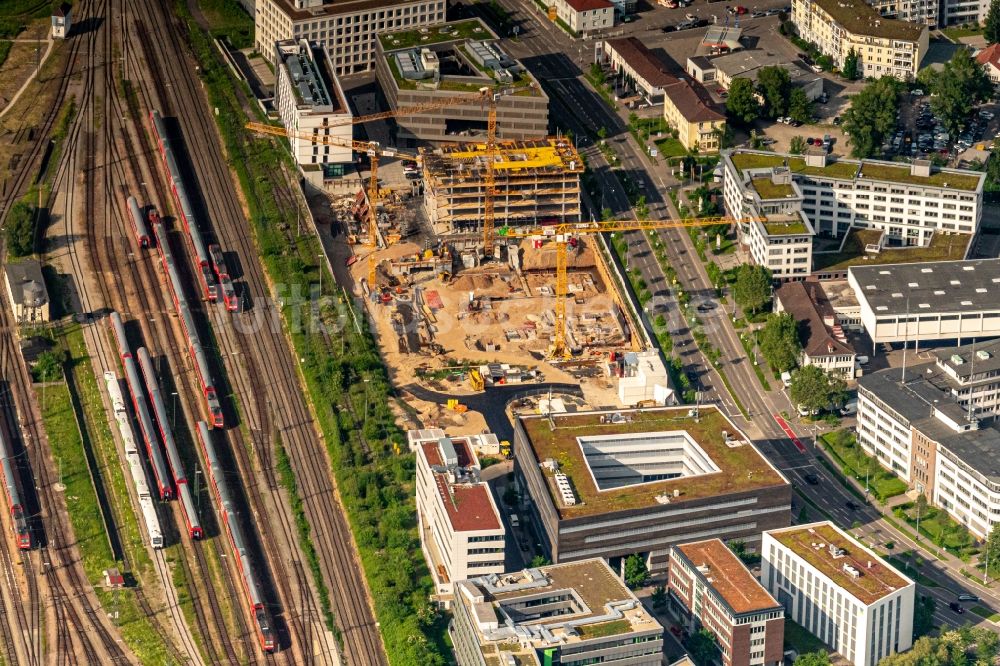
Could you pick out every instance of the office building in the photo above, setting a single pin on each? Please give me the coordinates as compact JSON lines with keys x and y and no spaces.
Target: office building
{"x":715,"y":590}
{"x":839,"y":591}
{"x":940,"y":300}
{"x":579,"y":613}
{"x":455,"y":61}
{"x":310,"y":101}
{"x":611,"y":484}
{"x":346,"y":28}
{"x":698,"y":122}
{"x":885,"y":46}
{"x":823,"y":345}
{"x":461,"y":532}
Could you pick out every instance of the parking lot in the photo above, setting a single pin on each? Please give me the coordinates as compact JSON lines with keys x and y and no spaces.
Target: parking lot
{"x":921,"y":132}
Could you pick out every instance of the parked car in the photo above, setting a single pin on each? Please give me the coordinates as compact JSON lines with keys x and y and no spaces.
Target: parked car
{"x":690,"y":17}
{"x":741,"y":10}
{"x":917,"y":92}
{"x":758,"y":14}
{"x":668,"y":28}
{"x":965,"y":596}
{"x":849,"y":408}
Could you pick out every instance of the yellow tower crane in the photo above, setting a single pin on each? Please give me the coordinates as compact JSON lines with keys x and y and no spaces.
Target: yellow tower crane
{"x":561,"y":234}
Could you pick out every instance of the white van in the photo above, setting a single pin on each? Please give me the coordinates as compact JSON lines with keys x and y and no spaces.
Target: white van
{"x":850,"y":407}
{"x":786,"y":378}
{"x":861,"y":360}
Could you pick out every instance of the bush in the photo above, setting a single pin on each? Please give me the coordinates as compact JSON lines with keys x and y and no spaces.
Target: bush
{"x":20,"y":231}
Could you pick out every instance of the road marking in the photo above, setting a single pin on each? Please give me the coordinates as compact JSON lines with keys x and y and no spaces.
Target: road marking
{"x":788,"y":431}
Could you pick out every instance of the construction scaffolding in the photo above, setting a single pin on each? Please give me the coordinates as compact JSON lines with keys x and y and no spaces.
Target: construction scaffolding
{"x":535,"y":182}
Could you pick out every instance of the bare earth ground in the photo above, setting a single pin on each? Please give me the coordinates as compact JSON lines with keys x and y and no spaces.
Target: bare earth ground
{"x":20,"y":63}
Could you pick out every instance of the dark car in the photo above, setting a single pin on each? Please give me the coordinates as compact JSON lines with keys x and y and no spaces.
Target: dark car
{"x":669,"y":28}
{"x":701,"y":23}
{"x":967,"y":597}
{"x":852,"y":506}
{"x":812,"y":479}
{"x":957,"y":607}
{"x":706,"y":307}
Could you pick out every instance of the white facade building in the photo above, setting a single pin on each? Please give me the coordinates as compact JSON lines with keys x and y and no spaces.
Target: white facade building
{"x":461,"y":532}
{"x":839,"y":591}
{"x":644,"y":380}
{"x":584,"y":17}
{"x":62,"y":21}
{"x":310,"y":101}
{"x":346,"y":28}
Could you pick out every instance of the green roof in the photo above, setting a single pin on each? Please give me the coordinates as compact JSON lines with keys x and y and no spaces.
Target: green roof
{"x":446,"y":32}
{"x":860,"y":18}
{"x":770,"y":190}
{"x":785,"y":228}
{"x":943,"y":247}
{"x":958,"y":181}
{"x":741,"y":468}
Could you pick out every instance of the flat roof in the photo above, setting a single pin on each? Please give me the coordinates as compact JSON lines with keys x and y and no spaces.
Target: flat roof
{"x":812,"y":543}
{"x":942,"y":247}
{"x":845,"y":169}
{"x":976,"y":358}
{"x":333,"y":8}
{"x":768,"y":189}
{"x":452,"y":31}
{"x":860,"y":18}
{"x":469,"y":159}
{"x":741,"y":468}
{"x":747,"y":63}
{"x":929,"y":287}
{"x":306,"y":64}
{"x":728,"y":576}
{"x":468,"y":505}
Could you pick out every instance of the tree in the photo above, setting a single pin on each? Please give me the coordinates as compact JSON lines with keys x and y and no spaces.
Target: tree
{"x":752,"y":289}
{"x":636,"y":573}
{"x":991,"y":29}
{"x":797,"y":146}
{"x":993,"y":548}
{"x":702,"y":648}
{"x":852,"y":65}
{"x":742,"y":105}
{"x":739,"y":549}
{"x":814,"y":389}
{"x":539,"y":561}
{"x":799,"y":106}
{"x":774,"y":84}
{"x":779,"y":342}
{"x":872,"y":116}
{"x":817,"y":658}
{"x":21,"y":229}
{"x":659,"y":596}
{"x":962,"y":84}
{"x":48,"y":367}
{"x":602,"y":133}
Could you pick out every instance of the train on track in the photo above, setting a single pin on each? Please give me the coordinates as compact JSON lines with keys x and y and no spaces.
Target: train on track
{"x":191,"y":521}
{"x":229,"y":296}
{"x":140,"y":225}
{"x":197,"y":350}
{"x":138,"y":393}
{"x":230,"y":519}
{"x":208,"y":270}
{"x":146,"y":507}
{"x":12,"y":490}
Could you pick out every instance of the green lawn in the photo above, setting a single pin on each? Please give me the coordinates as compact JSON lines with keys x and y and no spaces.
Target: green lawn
{"x":5,"y":47}
{"x":853,"y":462}
{"x":957,"y":32}
{"x":937,"y":526}
{"x":800,"y":640}
{"x":986,"y":613}
{"x":671,"y":147}
{"x":228,"y":19}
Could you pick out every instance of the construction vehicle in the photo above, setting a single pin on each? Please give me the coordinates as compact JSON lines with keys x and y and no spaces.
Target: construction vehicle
{"x":476,"y":380}
{"x":562,"y":236}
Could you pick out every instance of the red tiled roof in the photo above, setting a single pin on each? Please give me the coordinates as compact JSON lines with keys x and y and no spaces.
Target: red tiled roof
{"x":800,"y":300}
{"x":588,"y":5}
{"x":691,"y":104}
{"x":728,"y":576}
{"x":468,"y":505}
{"x":991,"y":55}
{"x":642,"y":60}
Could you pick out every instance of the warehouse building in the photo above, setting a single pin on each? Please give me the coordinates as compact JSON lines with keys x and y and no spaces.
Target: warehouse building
{"x":839,"y":591}
{"x":346,"y":28}
{"x":715,"y":590}
{"x":930,"y":301}
{"x":611,"y":484}
{"x":455,"y":61}
{"x":535,"y":181}
{"x":579,"y":613}
{"x":310,"y":101}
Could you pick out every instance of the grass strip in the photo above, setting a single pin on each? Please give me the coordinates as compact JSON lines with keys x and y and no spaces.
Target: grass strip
{"x":986,"y":613}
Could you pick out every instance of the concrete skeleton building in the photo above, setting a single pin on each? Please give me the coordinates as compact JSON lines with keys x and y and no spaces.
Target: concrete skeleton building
{"x":611,"y":484}
{"x":346,"y":28}
{"x":535,"y":181}
{"x":823,"y":344}
{"x":884,"y":46}
{"x":928,"y":425}
{"x":715,"y":590}
{"x":309,"y":100}
{"x":26,"y":291}
{"x":631,"y":61}
{"x":579,"y":613}
{"x":940,"y":300}
{"x":458,"y":59}
{"x":698,"y":122}
{"x":839,"y":591}
{"x":461,"y":532}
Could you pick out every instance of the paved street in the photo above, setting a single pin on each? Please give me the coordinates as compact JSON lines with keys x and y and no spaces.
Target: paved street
{"x":543,"y":48}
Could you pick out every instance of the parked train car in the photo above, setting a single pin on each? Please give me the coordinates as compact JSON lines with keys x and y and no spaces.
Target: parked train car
{"x":229,"y":517}
{"x":229,"y":296}
{"x":147,"y":509}
{"x":138,"y":393}
{"x":191,"y":520}
{"x":12,"y":491}
{"x":140,"y":227}
{"x":195,"y":348}
{"x":186,"y":212}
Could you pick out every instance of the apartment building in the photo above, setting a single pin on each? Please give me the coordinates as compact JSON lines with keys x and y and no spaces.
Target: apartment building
{"x":715,"y":590}
{"x":839,"y":591}
{"x":612,"y":484}
{"x":963,"y":12}
{"x":585,"y":17}
{"x":939,"y":300}
{"x":884,"y":46}
{"x":823,"y":346}
{"x":698,"y":122}
{"x":346,"y":28}
{"x":461,"y":532}
{"x":310,"y":101}
{"x":579,"y":613}
{"x":925,"y":12}
{"x":455,"y":61}
{"x":909,"y":203}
